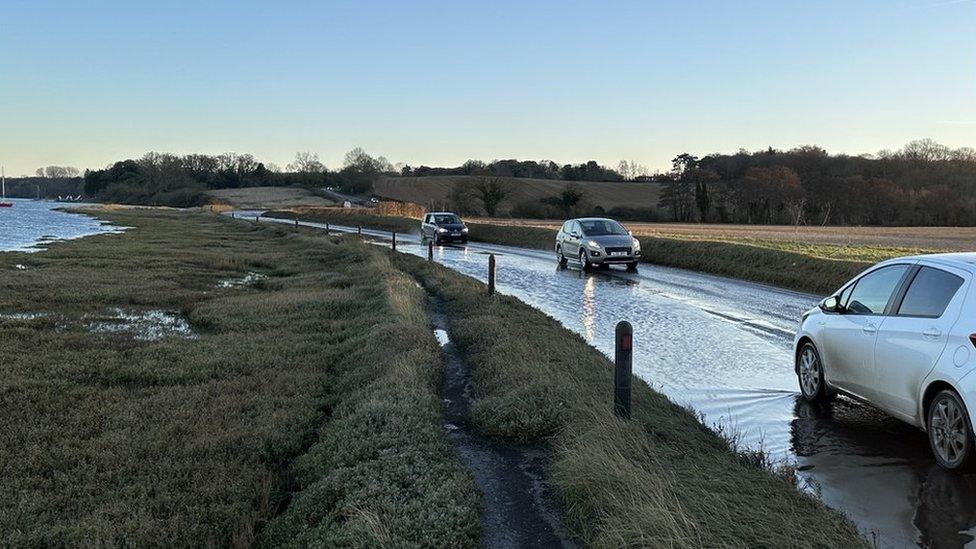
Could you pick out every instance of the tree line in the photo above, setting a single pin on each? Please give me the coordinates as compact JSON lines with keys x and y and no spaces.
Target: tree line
{"x":923,"y":183}
{"x":543,"y":169}
{"x":166,"y":179}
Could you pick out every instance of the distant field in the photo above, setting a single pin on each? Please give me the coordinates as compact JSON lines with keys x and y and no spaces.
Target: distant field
{"x":434,"y":191}
{"x":915,"y":238}
{"x":269,"y":197}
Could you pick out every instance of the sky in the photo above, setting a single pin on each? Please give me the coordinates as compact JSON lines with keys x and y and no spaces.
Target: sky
{"x":436,"y":83}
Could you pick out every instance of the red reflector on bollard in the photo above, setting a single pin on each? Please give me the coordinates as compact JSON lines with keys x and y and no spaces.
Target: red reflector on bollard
{"x":626,"y":342}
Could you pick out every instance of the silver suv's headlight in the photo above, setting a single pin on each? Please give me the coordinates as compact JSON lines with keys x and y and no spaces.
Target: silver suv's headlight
{"x":636,"y":244}
{"x":593,"y":244}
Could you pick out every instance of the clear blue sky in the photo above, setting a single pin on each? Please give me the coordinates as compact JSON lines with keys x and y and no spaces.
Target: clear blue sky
{"x":86,"y":83}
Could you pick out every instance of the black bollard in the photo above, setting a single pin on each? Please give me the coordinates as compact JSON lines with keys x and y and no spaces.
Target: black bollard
{"x":360,"y":231}
{"x":326,"y":228}
{"x":257,"y":218}
{"x":232,"y":214}
{"x":394,"y":240}
{"x":491,"y":274}
{"x":623,"y":359}
{"x":430,"y":251}
{"x":296,"y":222}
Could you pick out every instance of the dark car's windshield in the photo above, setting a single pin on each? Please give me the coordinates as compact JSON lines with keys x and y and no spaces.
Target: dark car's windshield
{"x":602,"y":227}
{"x":446,"y":219}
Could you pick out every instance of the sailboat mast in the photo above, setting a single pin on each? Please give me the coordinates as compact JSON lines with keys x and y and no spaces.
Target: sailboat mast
{"x":3,"y":178}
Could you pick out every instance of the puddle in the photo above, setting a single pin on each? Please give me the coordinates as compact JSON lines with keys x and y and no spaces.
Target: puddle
{"x":143,"y":326}
{"x":442,"y":337}
{"x":247,"y":280}
{"x":20,"y":267}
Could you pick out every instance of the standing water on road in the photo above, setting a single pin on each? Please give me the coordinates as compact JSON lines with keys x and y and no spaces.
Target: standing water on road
{"x":30,"y":223}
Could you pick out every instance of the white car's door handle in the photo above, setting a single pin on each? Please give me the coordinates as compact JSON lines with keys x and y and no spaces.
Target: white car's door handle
{"x":932,"y":333}
{"x":869,"y":329}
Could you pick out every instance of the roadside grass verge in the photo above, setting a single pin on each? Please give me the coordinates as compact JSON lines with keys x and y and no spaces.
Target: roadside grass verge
{"x":301,"y":409}
{"x":660,"y":480}
{"x":807,"y":267}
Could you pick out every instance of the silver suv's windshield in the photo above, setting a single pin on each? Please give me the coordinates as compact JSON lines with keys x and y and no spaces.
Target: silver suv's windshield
{"x":446,"y":219}
{"x":602,"y":227}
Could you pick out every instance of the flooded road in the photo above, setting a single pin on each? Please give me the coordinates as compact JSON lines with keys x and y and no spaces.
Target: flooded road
{"x":723,"y":347}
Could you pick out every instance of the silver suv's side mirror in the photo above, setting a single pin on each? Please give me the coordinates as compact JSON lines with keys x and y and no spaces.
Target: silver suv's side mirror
{"x":831,"y":305}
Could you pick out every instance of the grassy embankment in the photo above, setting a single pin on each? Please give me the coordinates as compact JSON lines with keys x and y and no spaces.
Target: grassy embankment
{"x":304,"y":410}
{"x":660,"y":480}
{"x":811,"y":267}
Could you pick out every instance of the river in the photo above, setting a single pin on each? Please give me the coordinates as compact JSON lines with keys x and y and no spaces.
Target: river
{"x":30,"y":224}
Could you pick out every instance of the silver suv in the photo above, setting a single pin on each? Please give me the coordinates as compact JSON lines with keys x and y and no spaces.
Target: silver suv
{"x":597,"y":241}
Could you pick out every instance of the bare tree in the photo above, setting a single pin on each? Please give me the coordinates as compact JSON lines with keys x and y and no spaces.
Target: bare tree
{"x":306,"y":162}
{"x":826,"y":213}
{"x":58,"y":172}
{"x":461,"y":199}
{"x":491,"y":192}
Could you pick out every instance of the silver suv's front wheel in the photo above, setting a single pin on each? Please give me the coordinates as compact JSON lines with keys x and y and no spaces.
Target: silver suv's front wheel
{"x":950,"y":431}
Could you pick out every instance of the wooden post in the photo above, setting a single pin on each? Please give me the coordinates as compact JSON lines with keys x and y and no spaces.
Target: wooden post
{"x":623,"y":358}
{"x":491,"y":274}
{"x":360,"y":231}
{"x":394,"y":240}
{"x":326,"y":228}
{"x":296,"y":222}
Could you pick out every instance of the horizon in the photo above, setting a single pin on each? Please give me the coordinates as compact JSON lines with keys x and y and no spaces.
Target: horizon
{"x":439,"y":84}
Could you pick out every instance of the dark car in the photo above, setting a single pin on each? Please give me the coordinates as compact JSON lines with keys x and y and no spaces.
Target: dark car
{"x":444,"y":227}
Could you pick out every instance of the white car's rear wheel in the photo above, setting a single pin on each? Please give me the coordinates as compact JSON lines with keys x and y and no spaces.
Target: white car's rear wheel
{"x":560,"y":258}
{"x":809,"y":370}
{"x":950,"y":431}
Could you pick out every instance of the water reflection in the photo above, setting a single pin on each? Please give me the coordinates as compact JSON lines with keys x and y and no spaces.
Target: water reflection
{"x":880,"y":472}
{"x":589,"y":308}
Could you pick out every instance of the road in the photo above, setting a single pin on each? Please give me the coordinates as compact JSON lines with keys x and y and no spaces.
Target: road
{"x":723,"y":347}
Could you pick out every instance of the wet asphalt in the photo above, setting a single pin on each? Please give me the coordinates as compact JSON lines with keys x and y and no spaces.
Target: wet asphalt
{"x":723,"y":347}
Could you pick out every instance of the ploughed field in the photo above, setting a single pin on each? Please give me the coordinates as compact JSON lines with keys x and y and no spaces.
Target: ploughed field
{"x":435,"y":190}
{"x":268,"y":197}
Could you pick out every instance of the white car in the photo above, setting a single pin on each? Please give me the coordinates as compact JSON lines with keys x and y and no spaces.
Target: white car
{"x":901,"y":337}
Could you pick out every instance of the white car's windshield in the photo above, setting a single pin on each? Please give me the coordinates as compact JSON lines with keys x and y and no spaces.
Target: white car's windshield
{"x":602,"y":227}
